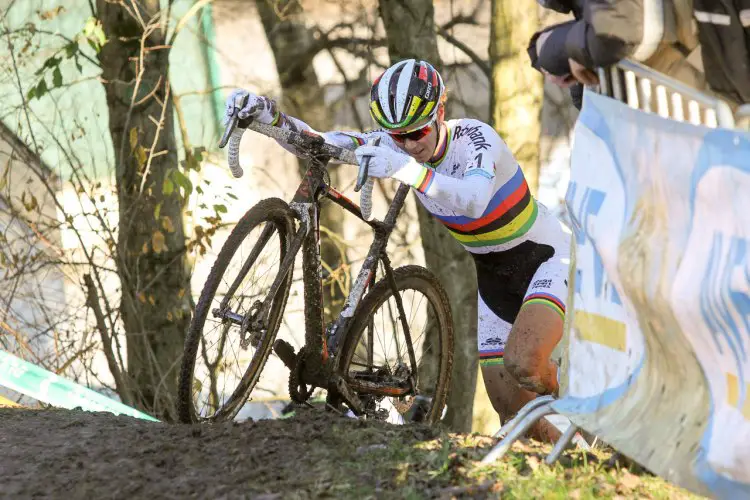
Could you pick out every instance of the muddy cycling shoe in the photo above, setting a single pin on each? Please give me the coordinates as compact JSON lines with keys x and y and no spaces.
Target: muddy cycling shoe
{"x":420,"y":408}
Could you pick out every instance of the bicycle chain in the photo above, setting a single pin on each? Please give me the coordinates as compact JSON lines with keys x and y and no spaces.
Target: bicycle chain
{"x":297,"y":390}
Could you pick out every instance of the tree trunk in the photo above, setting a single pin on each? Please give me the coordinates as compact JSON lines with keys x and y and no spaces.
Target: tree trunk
{"x":303,"y":97}
{"x":410,"y":30}
{"x":151,"y":258}
{"x":516,"y":87}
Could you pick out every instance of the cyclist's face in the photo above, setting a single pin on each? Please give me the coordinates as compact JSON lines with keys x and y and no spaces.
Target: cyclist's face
{"x":422,"y":148}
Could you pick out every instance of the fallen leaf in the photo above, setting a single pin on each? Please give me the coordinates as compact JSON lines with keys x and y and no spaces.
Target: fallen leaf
{"x":627,"y":481}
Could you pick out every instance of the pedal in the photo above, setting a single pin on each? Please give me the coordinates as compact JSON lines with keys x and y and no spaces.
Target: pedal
{"x":285,"y":352}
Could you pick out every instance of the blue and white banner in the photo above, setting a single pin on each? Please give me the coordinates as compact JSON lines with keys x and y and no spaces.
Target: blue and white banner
{"x":658,"y":341}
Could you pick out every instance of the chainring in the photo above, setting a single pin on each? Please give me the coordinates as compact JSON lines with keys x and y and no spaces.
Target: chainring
{"x":299,"y":392}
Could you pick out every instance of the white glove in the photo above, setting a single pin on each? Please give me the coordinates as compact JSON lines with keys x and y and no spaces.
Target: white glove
{"x":259,"y":108}
{"x":386,"y":162}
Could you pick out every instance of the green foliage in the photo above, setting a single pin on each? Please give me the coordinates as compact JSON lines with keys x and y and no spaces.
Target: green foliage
{"x":167,"y":187}
{"x":29,"y":201}
{"x":182,"y":180}
{"x":37,"y":91}
{"x":194,"y":159}
{"x":92,"y":33}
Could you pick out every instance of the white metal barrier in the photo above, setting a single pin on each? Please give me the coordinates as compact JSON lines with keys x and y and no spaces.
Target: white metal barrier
{"x":640,"y":87}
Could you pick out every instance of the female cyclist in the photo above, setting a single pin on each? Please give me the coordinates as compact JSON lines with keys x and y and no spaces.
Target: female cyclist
{"x":466,"y":176}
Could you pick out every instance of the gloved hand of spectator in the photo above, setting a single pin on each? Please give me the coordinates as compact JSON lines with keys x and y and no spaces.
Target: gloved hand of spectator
{"x":582,"y":73}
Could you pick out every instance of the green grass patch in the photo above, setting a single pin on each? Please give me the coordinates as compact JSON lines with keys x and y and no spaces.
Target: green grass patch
{"x":347,"y":458}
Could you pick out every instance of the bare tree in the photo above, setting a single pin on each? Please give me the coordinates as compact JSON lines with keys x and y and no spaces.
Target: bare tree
{"x":517,"y":90}
{"x":152,"y":263}
{"x":129,"y":260}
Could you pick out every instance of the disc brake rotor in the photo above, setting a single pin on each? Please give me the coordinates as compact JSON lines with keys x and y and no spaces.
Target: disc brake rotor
{"x":247,"y":328}
{"x":403,"y":405}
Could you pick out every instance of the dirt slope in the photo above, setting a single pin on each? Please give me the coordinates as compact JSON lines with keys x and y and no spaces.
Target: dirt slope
{"x":316,"y":454}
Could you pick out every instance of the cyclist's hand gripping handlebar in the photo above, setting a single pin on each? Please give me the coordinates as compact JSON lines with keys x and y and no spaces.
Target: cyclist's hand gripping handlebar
{"x":302,"y":141}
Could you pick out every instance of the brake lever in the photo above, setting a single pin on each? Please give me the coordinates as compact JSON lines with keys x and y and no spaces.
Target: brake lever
{"x":364,"y":170}
{"x":233,"y":120}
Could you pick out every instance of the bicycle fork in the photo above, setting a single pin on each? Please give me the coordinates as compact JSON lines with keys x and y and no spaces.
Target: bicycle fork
{"x":255,"y":319}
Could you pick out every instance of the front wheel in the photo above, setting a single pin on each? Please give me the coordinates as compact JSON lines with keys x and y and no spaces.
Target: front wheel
{"x":222,"y":361}
{"x":394,"y":384}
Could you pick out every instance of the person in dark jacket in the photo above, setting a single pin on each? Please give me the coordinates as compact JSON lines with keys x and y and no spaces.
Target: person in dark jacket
{"x":655,"y":32}
{"x":724,"y":34}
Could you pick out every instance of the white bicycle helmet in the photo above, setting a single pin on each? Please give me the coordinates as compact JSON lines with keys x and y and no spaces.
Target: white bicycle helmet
{"x":406,"y":97}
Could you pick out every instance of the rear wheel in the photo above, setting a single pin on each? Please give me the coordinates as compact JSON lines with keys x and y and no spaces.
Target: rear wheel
{"x":375,"y":354}
{"x":222,"y":361}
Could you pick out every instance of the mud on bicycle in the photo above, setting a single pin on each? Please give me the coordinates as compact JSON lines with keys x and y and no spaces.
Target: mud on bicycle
{"x":379,"y":358}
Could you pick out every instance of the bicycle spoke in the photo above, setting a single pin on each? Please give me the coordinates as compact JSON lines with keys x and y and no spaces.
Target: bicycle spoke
{"x":220,"y":381}
{"x":381,"y":361}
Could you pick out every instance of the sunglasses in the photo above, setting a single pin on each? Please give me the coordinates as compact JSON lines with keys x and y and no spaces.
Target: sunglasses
{"x":415,"y":135}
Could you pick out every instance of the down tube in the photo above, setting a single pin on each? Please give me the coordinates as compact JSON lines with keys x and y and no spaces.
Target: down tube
{"x":378,"y":246}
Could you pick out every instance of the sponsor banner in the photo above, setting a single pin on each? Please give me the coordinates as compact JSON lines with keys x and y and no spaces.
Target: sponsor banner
{"x":657,"y":345}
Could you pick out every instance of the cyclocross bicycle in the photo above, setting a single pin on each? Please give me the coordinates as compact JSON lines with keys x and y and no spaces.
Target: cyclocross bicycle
{"x":390,"y":348}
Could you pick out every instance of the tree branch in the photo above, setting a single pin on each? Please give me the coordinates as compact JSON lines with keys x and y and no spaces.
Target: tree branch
{"x":159,"y":127}
{"x":92,"y":301}
{"x":465,"y":18}
{"x":190,"y":13}
{"x":325,"y":42}
{"x":460,"y":19}
{"x":347,"y":88}
{"x":471,"y":19}
{"x":55,"y":34}
{"x":483,"y":65}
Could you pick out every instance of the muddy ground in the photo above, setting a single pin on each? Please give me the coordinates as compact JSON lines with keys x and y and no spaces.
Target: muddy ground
{"x":315,"y":454}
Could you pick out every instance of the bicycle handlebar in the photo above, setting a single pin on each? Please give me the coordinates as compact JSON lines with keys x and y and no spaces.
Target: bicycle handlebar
{"x":307,"y":144}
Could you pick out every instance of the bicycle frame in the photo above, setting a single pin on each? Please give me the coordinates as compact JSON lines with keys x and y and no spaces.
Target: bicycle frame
{"x":318,"y":363}
{"x":322,"y":347}
{"x":306,"y":203}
